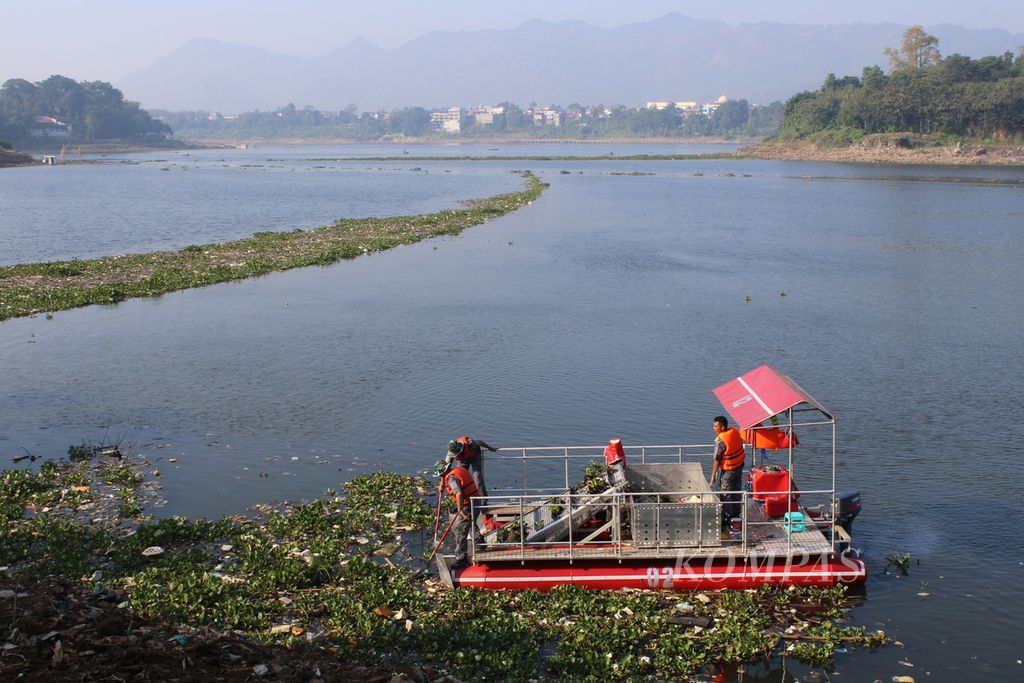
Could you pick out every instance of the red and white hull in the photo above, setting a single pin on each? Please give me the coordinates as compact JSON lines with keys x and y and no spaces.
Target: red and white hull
{"x":692,"y":574}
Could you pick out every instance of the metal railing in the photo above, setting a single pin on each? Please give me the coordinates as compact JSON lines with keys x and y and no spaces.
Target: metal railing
{"x":593,"y":525}
{"x":561,"y":470}
{"x":525,"y":456}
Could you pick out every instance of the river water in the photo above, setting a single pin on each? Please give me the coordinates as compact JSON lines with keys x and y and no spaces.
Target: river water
{"x":609,"y":307}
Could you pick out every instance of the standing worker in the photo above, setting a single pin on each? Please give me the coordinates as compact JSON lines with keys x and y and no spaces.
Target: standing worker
{"x":462,"y":489}
{"x":728,"y":463}
{"x":468,"y":452}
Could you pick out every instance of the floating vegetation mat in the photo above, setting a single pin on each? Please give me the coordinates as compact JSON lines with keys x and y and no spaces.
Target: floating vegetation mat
{"x":336,"y":589}
{"x":40,"y":287}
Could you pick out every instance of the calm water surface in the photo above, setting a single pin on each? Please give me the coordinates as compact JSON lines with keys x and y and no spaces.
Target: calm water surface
{"x":609,"y":307}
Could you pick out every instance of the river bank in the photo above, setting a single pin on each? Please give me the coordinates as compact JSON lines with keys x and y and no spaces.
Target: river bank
{"x":889,"y":149}
{"x":76,"y":149}
{"x":45,"y":287}
{"x":9,"y":157}
{"x":401,"y":140}
{"x":28,"y":157}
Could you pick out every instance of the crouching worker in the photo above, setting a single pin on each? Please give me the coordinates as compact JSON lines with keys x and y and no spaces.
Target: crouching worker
{"x":460,"y":485}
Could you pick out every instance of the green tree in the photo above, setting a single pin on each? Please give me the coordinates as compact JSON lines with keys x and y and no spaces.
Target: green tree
{"x":95,"y":110}
{"x":411,"y":121}
{"x":872,"y":77}
{"x":731,"y":116}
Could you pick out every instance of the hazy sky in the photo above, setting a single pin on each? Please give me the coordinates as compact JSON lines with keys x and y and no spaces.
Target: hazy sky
{"x":108,"y":39}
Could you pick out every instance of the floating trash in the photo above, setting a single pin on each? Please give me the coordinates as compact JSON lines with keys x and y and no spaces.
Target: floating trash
{"x":153,"y":551}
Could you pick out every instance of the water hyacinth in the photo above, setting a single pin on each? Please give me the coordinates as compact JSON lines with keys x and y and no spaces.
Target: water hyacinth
{"x":36,"y":287}
{"x":296,"y":574}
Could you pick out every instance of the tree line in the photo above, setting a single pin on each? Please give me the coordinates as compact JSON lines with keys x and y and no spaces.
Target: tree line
{"x":922,"y":93}
{"x":734,"y":118}
{"x":88,"y":111}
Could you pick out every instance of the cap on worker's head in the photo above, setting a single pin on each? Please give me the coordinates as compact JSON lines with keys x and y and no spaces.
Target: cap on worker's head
{"x":440,"y":467}
{"x":455,"y":447}
{"x":613,"y":453}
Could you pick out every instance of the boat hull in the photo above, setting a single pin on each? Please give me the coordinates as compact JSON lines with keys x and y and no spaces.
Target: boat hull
{"x":692,"y":574}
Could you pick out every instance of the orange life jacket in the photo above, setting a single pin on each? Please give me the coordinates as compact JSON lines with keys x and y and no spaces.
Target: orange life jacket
{"x":773,"y":438}
{"x":466,"y":482}
{"x":469,"y":449}
{"x":734,"y":454}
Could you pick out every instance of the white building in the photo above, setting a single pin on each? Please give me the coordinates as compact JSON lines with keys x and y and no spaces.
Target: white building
{"x":685,"y":106}
{"x":449,"y":121}
{"x":484,"y":115}
{"x":546,"y":116}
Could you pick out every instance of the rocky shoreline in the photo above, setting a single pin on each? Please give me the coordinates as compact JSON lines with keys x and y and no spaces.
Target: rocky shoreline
{"x":9,"y":157}
{"x":890,"y":149}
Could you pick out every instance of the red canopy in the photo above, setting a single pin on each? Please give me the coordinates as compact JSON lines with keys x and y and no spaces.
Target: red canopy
{"x":761,"y":393}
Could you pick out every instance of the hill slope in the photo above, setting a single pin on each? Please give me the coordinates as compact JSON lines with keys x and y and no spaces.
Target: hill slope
{"x":672,"y":57}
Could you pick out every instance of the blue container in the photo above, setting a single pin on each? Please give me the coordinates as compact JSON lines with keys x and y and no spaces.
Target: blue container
{"x":793,"y":522}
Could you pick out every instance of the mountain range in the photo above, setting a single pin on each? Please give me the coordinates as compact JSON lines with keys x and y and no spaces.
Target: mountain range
{"x":673,"y":57}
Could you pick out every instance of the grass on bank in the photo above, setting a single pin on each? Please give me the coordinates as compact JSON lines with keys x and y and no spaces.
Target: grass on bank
{"x":341,"y":575}
{"x":40,"y":287}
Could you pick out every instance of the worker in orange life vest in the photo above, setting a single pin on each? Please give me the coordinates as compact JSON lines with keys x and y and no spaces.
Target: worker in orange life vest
{"x":728,"y":467}
{"x":460,"y":485}
{"x":469,"y":452}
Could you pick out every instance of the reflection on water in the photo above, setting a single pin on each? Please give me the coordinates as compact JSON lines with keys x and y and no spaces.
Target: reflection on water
{"x":609,"y":307}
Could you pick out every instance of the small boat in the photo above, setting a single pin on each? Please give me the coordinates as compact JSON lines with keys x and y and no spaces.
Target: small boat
{"x":647,"y":517}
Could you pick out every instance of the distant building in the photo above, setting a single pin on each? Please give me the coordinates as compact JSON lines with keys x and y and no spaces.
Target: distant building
{"x":450,"y":121}
{"x":546,"y":116}
{"x":685,"y":106}
{"x":710,"y":108}
{"x":484,"y":115}
{"x":49,"y":127}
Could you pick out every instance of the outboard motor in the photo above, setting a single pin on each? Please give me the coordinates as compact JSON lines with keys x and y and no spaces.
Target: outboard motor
{"x":847,"y":508}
